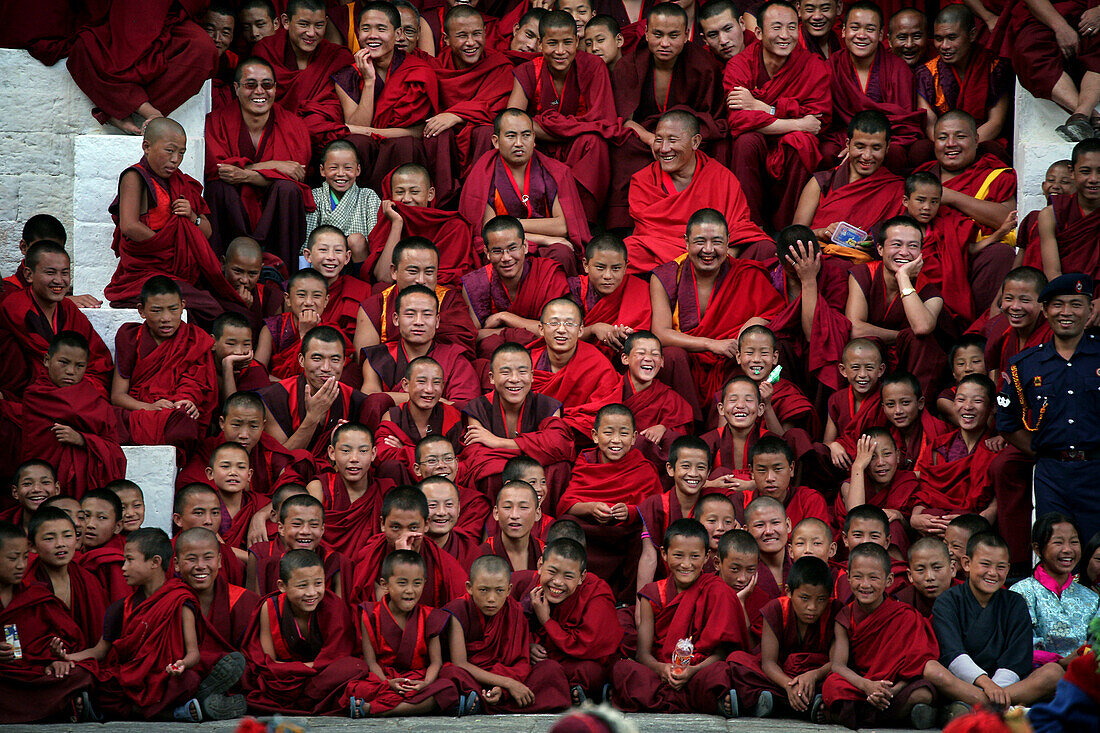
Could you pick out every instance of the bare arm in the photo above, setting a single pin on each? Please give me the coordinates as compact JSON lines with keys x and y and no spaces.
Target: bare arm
{"x":1048,"y":244}
{"x":991,"y":128}
{"x":988,"y":214}
{"x":265,"y":345}
{"x":647,"y":564}
{"x":857,"y":312}
{"x":807,"y":203}
{"x":669,"y":336}
{"x":131,"y":192}
{"x":365,"y":332}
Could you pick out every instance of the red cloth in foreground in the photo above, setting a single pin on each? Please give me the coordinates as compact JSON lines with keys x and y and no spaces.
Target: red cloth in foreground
{"x":629,"y":480}
{"x":446,"y":579}
{"x":955,"y":487}
{"x":583,"y":386}
{"x":450,"y":233}
{"x":1077,"y":235}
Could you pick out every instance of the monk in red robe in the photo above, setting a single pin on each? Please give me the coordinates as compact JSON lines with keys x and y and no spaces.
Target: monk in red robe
{"x":386,"y":96}
{"x":434,"y":457}
{"x":722,"y":29}
{"x":1058,"y":180}
{"x":474,"y":84}
{"x":506,"y":297}
{"x":145,"y":58}
{"x":778,"y":97}
{"x":40,"y":227}
{"x":865,"y":76}
{"x":327,"y":251}
{"x":256,"y":154}
{"x":69,"y":423}
{"x":907,"y":36}
{"x":703,"y":299}
{"x":236,"y":369}
{"x":680,"y":181}
{"x":444,"y":506}
{"x":569,"y":96}
{"x":415,"y":260}
{"x":785,"y":406}
{"x":664,"y":73}
{"x":876,"y":480}
{"x":220,"y":23}
{"x":615,"y":304}
{"x":255,"y":300}
{"x":164,"y":378}
{"x":661,"y":413}
{"x":1071,"y":221}
{"x":31,"y":317}
{"x":101,"y":542}
{"x":280,"y":340}
{"x":818,"y":32}
{"x":859,"y":406}
{"x":516,"y":180}
{"x":198,"y":505}
{"x":420,"y":414}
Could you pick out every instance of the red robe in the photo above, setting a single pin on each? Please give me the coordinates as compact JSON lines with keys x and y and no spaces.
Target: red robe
{"x":583,"y":386}
{"x":226,"y":624}
{"x":308,"y":93}
{"x":476,"y":94}
{"x":630,"y":480}
{"x":105,"y":563}
{"x":234,"y":530}
{"x":444,"y":420}
{"x":349,"y":524}
{"x":1003,"y":343}
{"x":802,"y":502}
{"x":660,"y":212}
{"x":269,"y":554}
{"x":495,"y":546}
{"x":1077,"y":235}
{"x":657,"y":404}
{"x":897,"y":496}
{"x":446,"y":578}
{"x":863,"y":203}
{"x":891,"y":90}
{"x":86,"y":594}
{"x":272,"y":465}
{"x":454,"y":327}
{"x":463,"y":547}
{"x":389,"y":362}
{"x":82,"y":407}
{"x":286,"y":404}
{"x":629,"y":305}
{"x":542,"y":281}
{"x":850,"y":423}
{"x":961,"y":486}
{"x":285,"y":684}
{"x":344,"y":297}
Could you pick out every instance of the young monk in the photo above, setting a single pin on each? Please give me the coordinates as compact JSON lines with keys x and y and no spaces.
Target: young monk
{"x":875,"y":479}
{"x":256,"y":19}
{"x":102,"y":554}
{"x":233,"y":362}
{"x":682,"y":180}
{"x":907,"y":36}
{"x":490,"y":648}
{"x":401,"y":647}
{"x":773,"y":467}
{"x":931,"y":572}
{"x":985,"y":637}
{"x":326,"y":250}
{"x":230,"y":473}
{"x":793,"y":661}
{"x":444,"y":509}
{"x":1058,"y":181}
{"x":53,"y":538}
{"x":133,"y":503}
{"x":966,"y":356}
{"x":341,"y":202}
{"x":954,"y":475}
{"x":435,"y":456}
{"x":528,"y":470}
{"x":957,"y":536}
{"x":548,"y":205}
{"x":71,"y":507}
{"x":164,"y":381}
{"x":853,"y":410}
{"x":738,"y":562}
{"x":688,"y":465}
{"x":523,"y":37}
{"x":868,"y":523}
{"x":301,"y":527}
{"x":785,"y":406}
{"x":615,"y":304}
{"x":220,"y":24}
{"x":767,"y":522}
{"x":708,"y":292}
{"x":404,"y":519}
{"x":715,"y":512}
{"x":912,"y":426}
{"x":68,"y":423}
{"x":40,"y":227}
{"x":569,"y":97}
{"x":661,"y":414}
{"x":280,"y":338}
{"x":514,"y":420}
{"x":295,"y":671}
{"x":818,"y":31}
{"x":775,"y":136}
{"x":739,"y":411}
{"x":254,"y":299}
{"x":1069,"y":221}
{"x":880,"y":653}
{"x":507,"y":296}
{"x":603,"y":38}
{"x":303,"y":410}
{"x":37,"y":686}
{"x":814,"y":537}
{"x":687,"y":605}
{"x":198,"y":505}
{"x":516,"y":512}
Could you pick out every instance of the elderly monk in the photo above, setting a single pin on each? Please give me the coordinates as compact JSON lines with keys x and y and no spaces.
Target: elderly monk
{"x":723,"y":29}
{"x":702,"y":300}
{"x":569,"y":96}
{"x":256,"y":154}
{"x":1069,"y":228}
{"x":865,"y":76}
{"x":415,"y":260}
{"x":517,"y":180}
{"x":983,"y":191}
{"x":474,"y":85}
{"x":304,"y":63}
{"x":144,"y":57}
{"x":907,"y":36}
{"x":386,"y":97}
{"x":679,"y":182}
{"x":778,"y":97}
{"x":664,"y":73}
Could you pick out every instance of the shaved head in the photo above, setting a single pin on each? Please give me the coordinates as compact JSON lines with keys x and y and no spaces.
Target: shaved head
{"x":161,"y":127}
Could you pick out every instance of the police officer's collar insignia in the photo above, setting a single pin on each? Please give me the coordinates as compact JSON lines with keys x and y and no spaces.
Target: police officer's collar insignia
{"x":1005,"y":402}
{"x":1038,"y":381}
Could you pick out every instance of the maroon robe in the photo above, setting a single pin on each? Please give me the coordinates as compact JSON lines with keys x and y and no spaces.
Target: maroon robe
{"x":897,"y":496}
{"x":891,"y":90}
{"x":446,"y":579}
{"x":542,"y":281}
{"x":981,"y":85}
{"x":389,"y":362}
{"x":272,"y":465}
{"x":454,"y":327}
{"x":105,"y":563}
{"x":476,"y":94}
{"x":269,"y":554}
{"x":961,"y":486}
{"x":462,"y":547}
{"x":349,"y":524}
{"x":850,"y":422}
{"x":397,"y":463}
{"x":494,"y":545}
{"x":1077,"y":234}
{"x":226,"y":624}
{"x":583,"y":386}
{"x":657,"y":404}
{"x":86,"y":594}
{"x":234,"y":529}
{"x":450,"y":232}
{"x":863,"y":203}
{"x":1039,"y":62}
{"x":286,"y":404}
{"x":344,"y":297}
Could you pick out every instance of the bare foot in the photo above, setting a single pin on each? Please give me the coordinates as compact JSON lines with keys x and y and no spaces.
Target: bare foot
{"x":127,"y":125}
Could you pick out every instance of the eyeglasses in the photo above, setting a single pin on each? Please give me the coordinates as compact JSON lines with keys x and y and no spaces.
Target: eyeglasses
{"x":557,"y":324}
{"x":251,"y":84}
{"x":433,"y":461}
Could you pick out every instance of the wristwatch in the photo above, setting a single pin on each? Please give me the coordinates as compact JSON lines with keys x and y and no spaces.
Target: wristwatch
{"x":907,"y":291}
{"x":198,"y":220}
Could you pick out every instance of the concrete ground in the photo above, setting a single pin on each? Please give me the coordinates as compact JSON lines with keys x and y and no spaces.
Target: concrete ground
{"x":480,"y":724}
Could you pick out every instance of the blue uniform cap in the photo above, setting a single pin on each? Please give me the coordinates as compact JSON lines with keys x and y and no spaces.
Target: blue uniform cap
{"x":1074,"y":283}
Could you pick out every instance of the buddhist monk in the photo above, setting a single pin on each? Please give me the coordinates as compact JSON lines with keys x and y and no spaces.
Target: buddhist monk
{"x":256,"y":154}
{"x":615,"y":304}
{"x":256,"y":20}
{"x":680,"y":181}
{"x":38,"y":228}
{"x":515,"y":179}
{"x":280,"y":338}
{"x":255,"y":299}
{"x":907,"y":36}
{"x":664,"y":73}
{"x":723,"y":29}
{"x":157,"y":64}
{"x":604,"y":38}
{"x":778,"y":99}
{"x":569,"y":96}
{"x":1068,"y":227}
{"x":522,"y":38}
{"x":220,"y":23}
{"x":1058,"y":180}
{"x":818,"y":33}
{"x":326,"y":250}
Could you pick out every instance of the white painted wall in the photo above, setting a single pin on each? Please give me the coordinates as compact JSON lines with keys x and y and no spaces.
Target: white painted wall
{"x":1036,"y":146}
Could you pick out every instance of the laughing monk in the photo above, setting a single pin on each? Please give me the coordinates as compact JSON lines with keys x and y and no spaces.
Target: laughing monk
{"x":778,"y":97}
{"x":666,"y":72}
{"x":681,"y":180}
{"x":1069,"y":227}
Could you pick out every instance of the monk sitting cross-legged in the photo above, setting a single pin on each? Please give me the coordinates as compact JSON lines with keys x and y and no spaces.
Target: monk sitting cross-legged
{"x":517,"y":180}
{"x":680,"y":181}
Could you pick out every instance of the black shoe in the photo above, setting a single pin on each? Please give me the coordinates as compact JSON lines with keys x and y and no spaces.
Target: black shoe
{"x":764,"y":704}
{"x":224,"y":707}
{"x":225,"y":673}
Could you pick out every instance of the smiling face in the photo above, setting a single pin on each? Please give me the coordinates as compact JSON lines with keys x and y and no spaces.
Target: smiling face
{"x":863,"y":33}
{"x":516,"y":511}
{"x":987,"y":570}
{"x":408,"y":35}
{"x":900,"y":246}
{"x":644,"y":360}
{"x":323,"y":361}
{"x":243,"y":425}
{"x":1020,"y":302}
{"x":757,"y":354}
{"x":411,"y":188}
{"x":199,"y":561}
{"x":536,"y":477}
{"x":352,"y":455}
{"x":306,"y":30}
{"x":305,"y":588}
{"x":435,"y":458}
{"x":1068,"y":314}
{"x":1086,"y":177}
{"x":956,"y":144}
{"x":133,"y":509}
{"x":868,"y":579}
{"x":614,"y":436}
{"x":884,"y":462}
{"x":973,"y":407}
{"x":956,"y":539}
{"x":866,"y":530}
{"x":202,"y":509}
{"x":908,"y":37}
{"x":581,"y":10}
{"x":674,"y":147}
{"x":737,"y":568}
{"x":416,"y":267}
{"x":559,"y":577}
{"x":340,"y":168}
{"x":404,"y":586}
{"x":778,"y":33}
{"x":862,"y":366}
{"x":220,"y":29}
{"x":866,"y":152}
{"x":50,"y":279}
{"x":67,"y":365}
{"x":466,"y":39}
{"x":328,"y":254}
{"x":666,"y":36}
{"x":772,"y":473}
{"x":33,"y":485}
{"x":303,"y":527}
{"x":930,"y":572}
{"x":417,"y":319}
{"x":424,"y":386}
{"x":717,"y":518}
{"x":810,"y":539}
{"x":952,"y":43}
{"x":163,"y":315}
{"x":770,"y":528}
{"x":55,"y":542}
{"x":559,"y":48}
{"x":560,"y":327}
{"x":443,"y":507}
{"x":900,"y":405}
{"x":165,"y":154}
{"x":740,"y":406}
{"x":1059,"y":180}
{"x":924,"y":203}
{"x":489,"y":591}
{"x":511,"y":376}
{"x":707,"y":246}
{"x":506,"y":250}
{"x":256,"y":90}
{"x":724,"y":35}
{"x":516,"y":140}
{"x":818,"y":16}
{"x":685,"y":557}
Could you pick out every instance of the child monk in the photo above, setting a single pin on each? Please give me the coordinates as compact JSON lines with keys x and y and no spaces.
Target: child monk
{"x":957,"y":536}
{"x":691,"y":605}
{"x":71,"y":507}
{"x":149,"y":649}
{"x":164,"y":378}
{"x":715,"y":512}
{"x":298,"y":672}
{"x":435,"y":456}
{"x":766,"y":521}
{"x":444,"y":507}
{"x":785,"y":406}
{"x":341,"y":202}
{"x":133,"y":503}
{"x":351,"y":496}
{"x":880,"y":653}
{"x":281,"y":336}
{"x":404,"y":519}
{"x":793,"y":661}
{"x":516,"y":512}
{"x":773,"y":468}
{"x":738,"y":567}
{"x":875,"y":479}
{"x":966,"y":356}
{"x":102,"y":555}
{"x":603,"y":38}
{"x":688,"y":465}
{"x":36,"y":686}
{"x":931,"y":572}
{"x":572,"y":616}
{"x":519,"y":468}
{"x":68,"y":422}
{"x":739,"y":413}
{"x":231,"y":474}
{"x":985,"y":634}
{"x":327,"y":251}
{"x":35,"y":481}
{"x":198,"y":505}
{"x":661,"y":413}
{"x":301,"y":527}
{"x":812,"y":537}
{"x":913,"y":427}
{"x":53,"y":538}
{"x":490,"y":647}
{"x":857,"y":407}
{"x":401,"y":647}
{"x":255,"y":299}
{"x":867,"y":523}
{"x":234,"y":364}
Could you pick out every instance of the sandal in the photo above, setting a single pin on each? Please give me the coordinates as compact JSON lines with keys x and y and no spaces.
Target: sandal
{"x":359,"y":708}
{"x":470,"y":705}
{"x":817,"y":710}
{"x":189,"y":712}
{"x":727,"y":705}
{"x":577,"y":695}
{"x":1076,"y":128}
{"x":764,"y":704}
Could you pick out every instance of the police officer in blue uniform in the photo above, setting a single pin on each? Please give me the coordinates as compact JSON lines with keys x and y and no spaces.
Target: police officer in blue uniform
{"x":1050,"y":406}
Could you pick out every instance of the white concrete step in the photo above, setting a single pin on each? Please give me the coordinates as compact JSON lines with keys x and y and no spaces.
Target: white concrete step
{"x":153,"y":468}
{"x":1036,"y":147}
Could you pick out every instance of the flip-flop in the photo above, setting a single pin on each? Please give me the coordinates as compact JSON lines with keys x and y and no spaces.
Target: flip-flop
{"x":605,"y":694}
{"x":189,"y":712}
{"x":471,"y":705}
{"x":355,"y":708}
{"x":764,"y":704}
{"x":817,"y":710}
{"x":728,"y":706}
{"x":577,"y":695}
